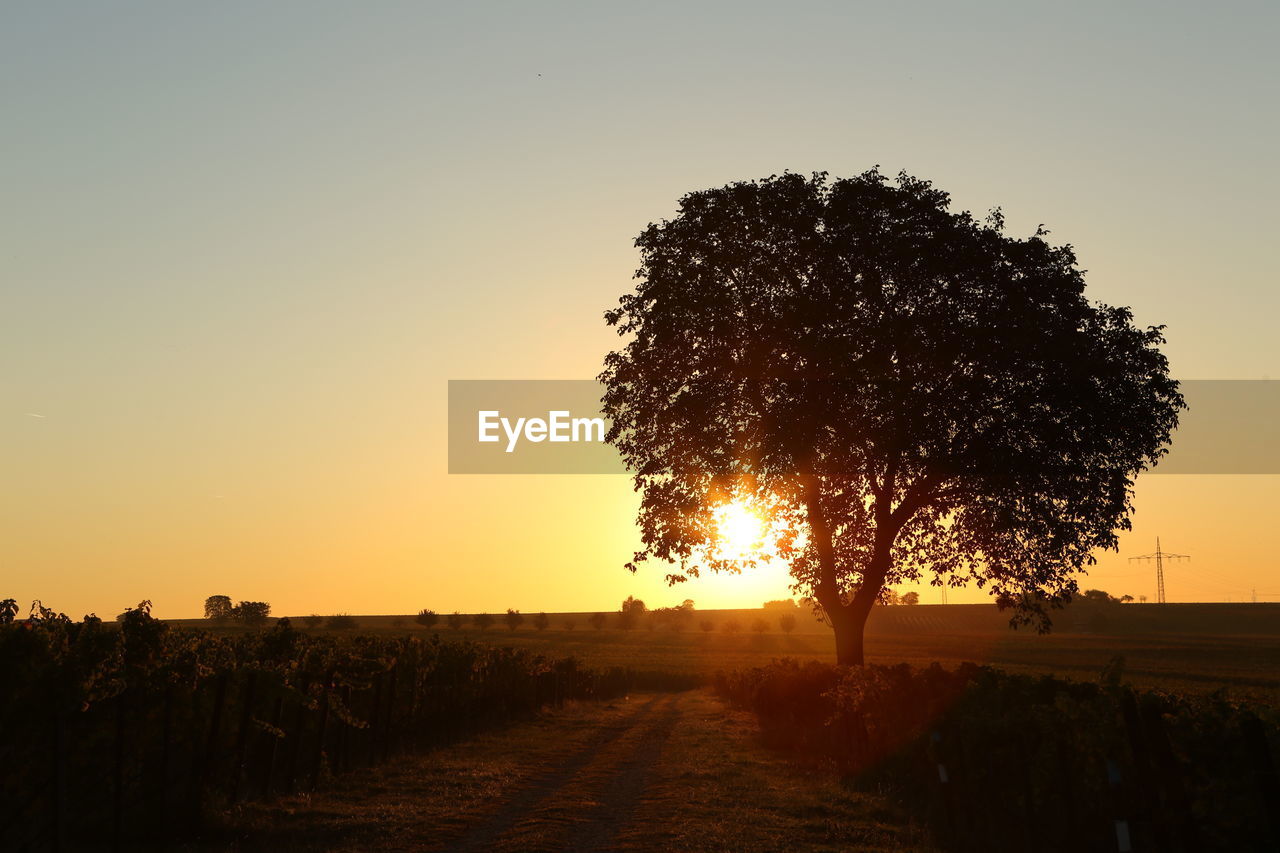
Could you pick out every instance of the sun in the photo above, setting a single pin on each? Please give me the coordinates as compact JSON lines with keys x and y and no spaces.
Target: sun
{"x":739,"y":532}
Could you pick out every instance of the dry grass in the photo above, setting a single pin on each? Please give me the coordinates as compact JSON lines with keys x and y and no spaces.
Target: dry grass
{"x":675,"y":771}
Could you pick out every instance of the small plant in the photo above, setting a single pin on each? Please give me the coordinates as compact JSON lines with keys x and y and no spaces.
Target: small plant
{"x":427,"y":618}
{"x":541,"y":621}
{"x":759,"y":626}
{"x":482,"y":621}
{"x":514,"y":619}
{"x":456,"y":620}
{"x":707,"y":626}
{"x":733,"y":626}
{"x":341,"y":622}
{"x":597,"y":621}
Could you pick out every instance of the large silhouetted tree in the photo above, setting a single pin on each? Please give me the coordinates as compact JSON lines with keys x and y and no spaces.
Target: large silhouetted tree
{"x":906,"y":391}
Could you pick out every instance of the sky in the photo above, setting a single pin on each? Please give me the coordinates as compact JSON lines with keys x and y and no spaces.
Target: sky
{"x":244,"y":246}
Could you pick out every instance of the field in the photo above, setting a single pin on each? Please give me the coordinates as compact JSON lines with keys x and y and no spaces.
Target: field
{"x":590,"y":776}
{"x":1190,"y":647}
{"x":356,"y":733}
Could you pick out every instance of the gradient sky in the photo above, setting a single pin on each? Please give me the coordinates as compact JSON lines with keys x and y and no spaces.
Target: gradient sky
{"x":243,"y":246}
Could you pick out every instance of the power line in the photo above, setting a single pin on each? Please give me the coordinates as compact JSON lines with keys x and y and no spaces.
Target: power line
{"x":1159,"y":557}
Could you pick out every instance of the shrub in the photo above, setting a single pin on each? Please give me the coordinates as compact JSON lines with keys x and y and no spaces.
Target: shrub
{"x":341,"y":622}
{"x":427,"y":618}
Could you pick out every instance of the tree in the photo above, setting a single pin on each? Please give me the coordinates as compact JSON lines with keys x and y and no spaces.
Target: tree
{"x":315,"y":620}
{"x":707,"y":626}
{"x":1098,"y":596}
{"x":218,"y":608}
{"x":899,"y":389}
{"x":541,"y":621}
{"x":787,"y":623}
{"x":759,"y":626}
{"x":455,"y":620}
{"x":514,"y":618}
{"x":252,"y":612}
{"x":482,"y":621}
{"x":597,"y":620}
{"x":733,"y":626}
{"x":631,"y":611}
{"x":910,"y":598}
{"x":427,"y":618}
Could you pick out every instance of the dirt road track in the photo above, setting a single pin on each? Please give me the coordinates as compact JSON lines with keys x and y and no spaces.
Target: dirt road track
{"x":616,"y":776}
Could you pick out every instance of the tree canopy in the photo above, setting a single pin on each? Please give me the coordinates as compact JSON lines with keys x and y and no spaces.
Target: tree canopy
{"x":905,"y":391}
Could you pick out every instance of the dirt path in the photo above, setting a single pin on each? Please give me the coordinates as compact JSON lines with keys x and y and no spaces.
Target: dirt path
{"x":622,"y":791}
{"x":671,"y":772}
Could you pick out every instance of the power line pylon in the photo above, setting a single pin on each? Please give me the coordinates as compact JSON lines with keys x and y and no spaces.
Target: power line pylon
{"x":1159,"y":557}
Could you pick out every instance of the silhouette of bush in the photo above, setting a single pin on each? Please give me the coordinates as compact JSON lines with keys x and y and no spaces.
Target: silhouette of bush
{"x":341,"y":622}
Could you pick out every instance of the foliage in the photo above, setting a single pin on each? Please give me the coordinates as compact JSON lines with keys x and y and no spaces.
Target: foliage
{"x":597,"y":621}
{"x":140,"y":725}
{"x":759,"y":626}
{"x":514,"y":619}
{"x":909,"y":387}
{"x":456,"y":620}
{"x":1020,"y":754}
{"x":218,"y":608}
{"x":254,"y":613}
{"x":482,"y":621}
{"x":427,"y":618}
{"x":787,"y":623}
{"x":341,"y":622}
{"x":541,"y":622}
{"x":631,"y":612}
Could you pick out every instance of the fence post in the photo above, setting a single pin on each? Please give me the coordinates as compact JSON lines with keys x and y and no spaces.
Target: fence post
{"x":59,"y":779}
{"x":269,"y":772}
{"x":162,"y":779}
{"x":388,"y":731}
{"x":1264,"y":771}
{"x":117,"y":772}
{"x":1171,"y":775}
{"x":375,"y":720}
{"x":242,"y":739}
{"x":1146,"y":791}
{"x":295,"y":743}
{"x":324,"y":719}
{"x":204,"y":759}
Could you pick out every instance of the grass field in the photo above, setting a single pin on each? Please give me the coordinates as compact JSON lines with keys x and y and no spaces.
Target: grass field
{"x":655,"y":772}
{"x":1200,"y":647}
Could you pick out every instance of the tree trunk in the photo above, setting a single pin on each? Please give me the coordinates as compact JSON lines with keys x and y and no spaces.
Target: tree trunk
{"x":849,"y":625}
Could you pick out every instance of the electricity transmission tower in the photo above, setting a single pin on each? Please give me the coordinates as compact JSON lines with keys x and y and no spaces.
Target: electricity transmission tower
{"x":1159,"y":557}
